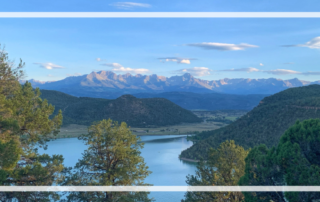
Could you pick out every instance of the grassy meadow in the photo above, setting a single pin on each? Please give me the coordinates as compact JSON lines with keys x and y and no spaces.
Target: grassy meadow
{"x":74,"y":130}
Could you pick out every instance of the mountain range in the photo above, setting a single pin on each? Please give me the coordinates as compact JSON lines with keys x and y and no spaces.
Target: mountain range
{"x":107,"y":84}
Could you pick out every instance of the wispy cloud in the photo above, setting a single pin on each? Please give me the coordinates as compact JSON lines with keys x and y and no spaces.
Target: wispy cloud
{"x":195,"y":71}
{"x":222,"y":46}
{"x":281,"y":72}
{"x":75,"y":74}
{"x":287,"y":72}
{"x":310,"y":73}
{"x":249,"y":69}
{"x":261,"y":64}
{"x":112,"y":65}
{"x":313,"y":44}
{"x":119,"y":68}
{"x":273,"y":71}
{"x":131,"y":70}
{"x":49,"y":65}
{"x":130,"y":5}
{"x":177,"y":59}
{"x":50,"y":75}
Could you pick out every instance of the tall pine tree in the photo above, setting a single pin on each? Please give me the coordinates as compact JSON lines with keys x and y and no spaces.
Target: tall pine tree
{"x":112,"y":159}
{"x":25,"y":124}
{"x":224,"y":167}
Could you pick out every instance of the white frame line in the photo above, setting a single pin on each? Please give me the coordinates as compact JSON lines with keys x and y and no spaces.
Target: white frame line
{"x":159,"y":14}
{"x":160,"y":188}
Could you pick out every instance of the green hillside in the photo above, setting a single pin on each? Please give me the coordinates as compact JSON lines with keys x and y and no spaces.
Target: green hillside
{"x":135,"y":112}
{"x":264,"y":124}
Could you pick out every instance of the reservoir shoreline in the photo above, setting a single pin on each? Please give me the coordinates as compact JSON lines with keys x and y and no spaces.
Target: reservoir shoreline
{"x":190,"y":160}
{"x":61,"y":137}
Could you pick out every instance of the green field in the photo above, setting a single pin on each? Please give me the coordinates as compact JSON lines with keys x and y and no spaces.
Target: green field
{"x":228,"y":114}
{"x":74,"y":130}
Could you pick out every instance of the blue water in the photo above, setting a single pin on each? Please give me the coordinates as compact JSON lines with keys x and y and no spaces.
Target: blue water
{"x":160,"y":154}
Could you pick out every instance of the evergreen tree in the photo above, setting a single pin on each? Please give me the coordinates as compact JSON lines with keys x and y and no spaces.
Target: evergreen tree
{"x":294,"y":162}
{"x":224,"y":167}
{"x":112,"y":159}
{"x":24,"y":126}
{"x":9,"y":75}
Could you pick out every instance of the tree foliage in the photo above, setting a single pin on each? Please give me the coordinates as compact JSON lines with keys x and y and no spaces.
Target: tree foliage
{"x":295,"y":161}
{"x":224,"y":167}
{"x":9,"y":75}
{"x":112,"y":159}
{"x":24,"y":125}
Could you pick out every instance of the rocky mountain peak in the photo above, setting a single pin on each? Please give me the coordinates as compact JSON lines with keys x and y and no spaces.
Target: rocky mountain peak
{"x":109,"y":82}
{"x":187,"y":76}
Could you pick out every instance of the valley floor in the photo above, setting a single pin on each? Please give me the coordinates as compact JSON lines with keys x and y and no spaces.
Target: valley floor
{"x":74,"y":130}
{"x":212,"y":120}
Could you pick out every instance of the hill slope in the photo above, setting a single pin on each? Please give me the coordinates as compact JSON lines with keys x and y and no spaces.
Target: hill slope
{"x":135,"y":112}
{"x":210,"y":101}
{"x":265,"y":123}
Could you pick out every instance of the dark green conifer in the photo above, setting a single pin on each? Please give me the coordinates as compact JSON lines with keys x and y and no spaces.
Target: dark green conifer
{"x":294,"y":162}
{"x":112,"y":159}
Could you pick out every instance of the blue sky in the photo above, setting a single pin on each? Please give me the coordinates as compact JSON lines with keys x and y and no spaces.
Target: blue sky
{"x":208,"y":48}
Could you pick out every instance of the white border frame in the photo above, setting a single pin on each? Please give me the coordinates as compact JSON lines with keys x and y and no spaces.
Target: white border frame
{"x":160,"y":188}
{"x":159,"y":14}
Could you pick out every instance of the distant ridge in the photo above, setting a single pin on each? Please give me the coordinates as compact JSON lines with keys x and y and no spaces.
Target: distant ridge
{"x":106,"y":84}
{"x":127,"y":108}
{"x":208,"y":101}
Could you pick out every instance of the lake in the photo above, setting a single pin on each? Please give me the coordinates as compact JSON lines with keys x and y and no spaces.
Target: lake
{"x":160,"y":154}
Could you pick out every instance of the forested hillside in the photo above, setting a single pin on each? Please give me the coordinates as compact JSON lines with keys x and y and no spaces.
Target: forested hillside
{"x":135,"y":112}
{"x":265,"y":123}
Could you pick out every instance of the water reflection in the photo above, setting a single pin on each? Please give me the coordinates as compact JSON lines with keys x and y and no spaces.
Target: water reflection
{"x":163,"y":140}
